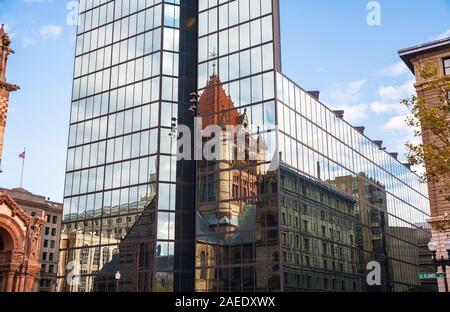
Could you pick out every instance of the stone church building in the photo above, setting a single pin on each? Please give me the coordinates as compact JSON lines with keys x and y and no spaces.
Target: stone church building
{"x":20,"y":233}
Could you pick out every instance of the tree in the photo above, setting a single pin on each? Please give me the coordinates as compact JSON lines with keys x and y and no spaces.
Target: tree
{"x":431,"y":119}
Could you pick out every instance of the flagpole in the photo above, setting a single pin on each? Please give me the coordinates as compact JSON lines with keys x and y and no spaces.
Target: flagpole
{"x":23,"y":165}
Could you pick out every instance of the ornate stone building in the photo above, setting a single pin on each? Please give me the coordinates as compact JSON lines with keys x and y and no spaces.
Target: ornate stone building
{"x":36,"y":205}
{"x":5,"y":87}
{"x":20,"y":242}
{"x":20,"y":232}
{"x":438,"y":53}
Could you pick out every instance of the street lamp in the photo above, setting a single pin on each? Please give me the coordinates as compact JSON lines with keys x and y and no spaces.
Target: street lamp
{"x":432,"y":246}
{"x":443,"y":263}
{"x":118,"y":276}
{"x":447,"y":245}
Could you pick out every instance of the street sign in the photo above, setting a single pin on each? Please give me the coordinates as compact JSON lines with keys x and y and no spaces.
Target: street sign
{"x":432,"y":276}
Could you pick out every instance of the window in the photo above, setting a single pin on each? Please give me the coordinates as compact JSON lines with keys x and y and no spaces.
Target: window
{"x":324,"y":249}
{"x":47,"y":231}
{"x":50,"y":256}
{"x":53,"y":232}
{"x":55,"y":219}
{"x":46,"y":243}
{"x":305,"y":226}
{"x":50,"y":268}
{"x":203,"y":265}
{"x":447,"y":66}
{"x":52,"y":244}
{"x":84,"y":254}
{"x":306,"y":244}
{"x":44,"y":256}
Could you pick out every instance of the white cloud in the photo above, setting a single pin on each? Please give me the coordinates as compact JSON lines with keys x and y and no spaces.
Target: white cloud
{"x":443,"y":35}
{"x":50,"y":31}
{"x":385,"y":107}
{"x":395,"y":70}
{"x":355,"y":114}
{"x":397,"y":123}
{"x":390,"y":97}
{"x":344,"y":94}
{"x":345,"y":97}
{"x":396,"y":93}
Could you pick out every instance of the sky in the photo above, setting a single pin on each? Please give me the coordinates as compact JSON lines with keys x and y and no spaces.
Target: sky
{"x":327,"y":45}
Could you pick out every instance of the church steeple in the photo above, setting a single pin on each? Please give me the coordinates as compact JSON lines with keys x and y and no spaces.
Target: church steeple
{"x":5,"y":87}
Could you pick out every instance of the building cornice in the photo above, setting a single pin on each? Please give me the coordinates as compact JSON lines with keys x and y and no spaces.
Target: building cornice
{"x":16,"y":210}
{"x":441,"y":223}
{"x":9,"y":87}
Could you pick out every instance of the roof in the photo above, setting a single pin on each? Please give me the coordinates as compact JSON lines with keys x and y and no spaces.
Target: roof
{"x":407,"y":54}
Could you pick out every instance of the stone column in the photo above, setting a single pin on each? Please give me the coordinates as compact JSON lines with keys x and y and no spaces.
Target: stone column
{"x":29,"y":283}
{"x":19,"y":283}
{"x":9,"y":282}
{"x":3,"y":282}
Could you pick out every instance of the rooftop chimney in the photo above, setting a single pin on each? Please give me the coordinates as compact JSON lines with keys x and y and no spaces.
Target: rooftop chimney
{"x":315,"y":94}
{"x":395,"y":155}
{"x":339,"y":113}
{"x":379,"y":143}
{"x":360,"y":129}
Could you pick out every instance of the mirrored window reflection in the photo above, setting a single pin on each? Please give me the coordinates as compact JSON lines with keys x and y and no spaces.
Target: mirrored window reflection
{"x":331,"y":171}
{"x":237,"y":210}
{"x":120,"y":184}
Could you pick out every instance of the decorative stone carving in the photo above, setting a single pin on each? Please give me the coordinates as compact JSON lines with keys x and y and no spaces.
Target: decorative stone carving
{"x":5,"y":51}
{"x":440,"y":224}
{"x":21,"y":263}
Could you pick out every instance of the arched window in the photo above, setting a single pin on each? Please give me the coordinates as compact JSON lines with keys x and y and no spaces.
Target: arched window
{"x":2,"y":245}
{"x":203,"y":265}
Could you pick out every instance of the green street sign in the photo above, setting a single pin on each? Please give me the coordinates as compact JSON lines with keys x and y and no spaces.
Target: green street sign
{"x":432,"y":276}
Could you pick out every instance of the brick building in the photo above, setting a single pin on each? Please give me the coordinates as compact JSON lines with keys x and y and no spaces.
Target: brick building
{"x":437,"y":52}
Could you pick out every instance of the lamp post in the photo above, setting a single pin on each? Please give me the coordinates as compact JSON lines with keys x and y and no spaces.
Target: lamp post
{"x":443,"y":263}
{"x":118,"y":276}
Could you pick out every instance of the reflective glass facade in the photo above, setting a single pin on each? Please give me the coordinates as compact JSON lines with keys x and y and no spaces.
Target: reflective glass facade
{"x":308,"y":206}
{"x":120,"y":193}
{"x":352,"y":200}
{"x":237,"y":201}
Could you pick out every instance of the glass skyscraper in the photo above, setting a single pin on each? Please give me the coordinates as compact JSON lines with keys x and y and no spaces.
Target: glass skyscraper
{"x":308,"y":206}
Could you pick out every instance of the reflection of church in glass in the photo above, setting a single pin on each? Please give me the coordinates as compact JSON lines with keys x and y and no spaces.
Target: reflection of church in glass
{"x":302,"y":210}
{"x":259,"y":229}
{"x":236,"y":204}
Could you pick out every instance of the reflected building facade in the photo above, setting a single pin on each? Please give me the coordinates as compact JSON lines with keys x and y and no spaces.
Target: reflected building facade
{"x":309,"y":202}
{"x":337,"y":200}
{"x":131,"y":64}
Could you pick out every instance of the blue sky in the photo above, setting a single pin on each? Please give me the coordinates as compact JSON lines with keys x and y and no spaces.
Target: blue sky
{"x":327,"y":46}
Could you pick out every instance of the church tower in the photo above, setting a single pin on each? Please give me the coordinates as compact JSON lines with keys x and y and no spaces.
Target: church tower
{"x":5,"y":87}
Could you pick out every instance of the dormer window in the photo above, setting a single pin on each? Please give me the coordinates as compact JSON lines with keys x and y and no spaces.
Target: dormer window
{"x":447,"y":67}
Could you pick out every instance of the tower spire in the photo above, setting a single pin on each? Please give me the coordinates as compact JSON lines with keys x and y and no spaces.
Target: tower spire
{"x":5,"y":87}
